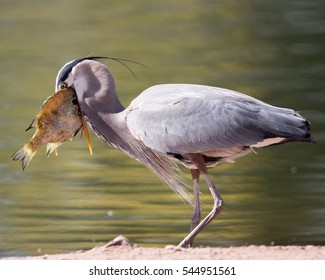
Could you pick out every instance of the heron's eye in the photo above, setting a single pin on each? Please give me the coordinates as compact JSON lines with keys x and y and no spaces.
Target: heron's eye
{"x":63,"y":85}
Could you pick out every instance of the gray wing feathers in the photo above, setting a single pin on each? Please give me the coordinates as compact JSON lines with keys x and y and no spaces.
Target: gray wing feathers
{"x":193,"y":122}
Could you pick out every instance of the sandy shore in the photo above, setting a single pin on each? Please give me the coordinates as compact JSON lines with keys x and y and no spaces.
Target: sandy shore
{"x":122,"y":249}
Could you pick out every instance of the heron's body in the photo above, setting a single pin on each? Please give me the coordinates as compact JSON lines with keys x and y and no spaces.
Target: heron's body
{"x":198,"y":126}
{"x":177,"y":119}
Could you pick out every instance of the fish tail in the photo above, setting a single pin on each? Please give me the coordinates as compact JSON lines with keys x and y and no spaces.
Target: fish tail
{"x":25,"y":155}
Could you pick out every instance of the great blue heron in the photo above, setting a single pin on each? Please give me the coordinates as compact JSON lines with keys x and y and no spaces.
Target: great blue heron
{"x":194,"y":125}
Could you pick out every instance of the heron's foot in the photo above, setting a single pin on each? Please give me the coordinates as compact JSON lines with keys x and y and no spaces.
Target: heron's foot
{"x":188,"y":240}
{"x":186,"y":243}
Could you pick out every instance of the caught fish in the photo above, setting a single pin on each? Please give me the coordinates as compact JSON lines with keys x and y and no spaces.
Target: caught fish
{"x":60,"y":119}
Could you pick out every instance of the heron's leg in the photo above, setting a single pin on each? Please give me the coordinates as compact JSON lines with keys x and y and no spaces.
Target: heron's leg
{"x":196,"y":218}
{"x":218,"y":204}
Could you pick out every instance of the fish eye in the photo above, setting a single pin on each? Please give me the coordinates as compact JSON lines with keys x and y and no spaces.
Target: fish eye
{"x":63,"y":85}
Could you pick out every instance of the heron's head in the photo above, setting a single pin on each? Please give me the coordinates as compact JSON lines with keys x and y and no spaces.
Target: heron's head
{"x":95,"y":89}
{"x":94,"y":86}
{"x":91,"y":80}
{"x":93,"y":83}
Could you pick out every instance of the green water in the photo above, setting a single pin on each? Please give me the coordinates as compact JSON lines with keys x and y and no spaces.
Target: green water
{"x":273,"y":50}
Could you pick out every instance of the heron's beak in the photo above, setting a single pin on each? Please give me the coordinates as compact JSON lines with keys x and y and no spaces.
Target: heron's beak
{"x":85,"y":129}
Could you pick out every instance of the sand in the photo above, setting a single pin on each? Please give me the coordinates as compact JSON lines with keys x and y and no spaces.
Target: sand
{"x":122,"y":249}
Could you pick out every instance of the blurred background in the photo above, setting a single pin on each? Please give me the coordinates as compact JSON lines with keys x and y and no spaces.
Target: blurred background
{"x":272,"y":50}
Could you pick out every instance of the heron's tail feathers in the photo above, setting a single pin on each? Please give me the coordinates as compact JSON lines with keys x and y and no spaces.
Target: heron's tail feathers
{"x":286,"y":124}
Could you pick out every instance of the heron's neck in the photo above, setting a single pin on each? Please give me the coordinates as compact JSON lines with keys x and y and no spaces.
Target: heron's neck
{"x":107,"y":103}
{"x":107,"y":119}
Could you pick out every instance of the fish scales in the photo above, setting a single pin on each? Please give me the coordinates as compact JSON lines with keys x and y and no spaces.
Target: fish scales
{"x":59,"y":120}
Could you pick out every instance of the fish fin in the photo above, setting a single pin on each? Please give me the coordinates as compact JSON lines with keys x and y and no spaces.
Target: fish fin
{"x":25,"y":155}
{"x":77,"y":132}
{"x":32,"y":125}
{"x":46,"y":100}
{"x":51,"y":147}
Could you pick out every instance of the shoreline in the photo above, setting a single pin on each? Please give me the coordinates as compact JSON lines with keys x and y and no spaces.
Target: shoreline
{"x":122,"y":249}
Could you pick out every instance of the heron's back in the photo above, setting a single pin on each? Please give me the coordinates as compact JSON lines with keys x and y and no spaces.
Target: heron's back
{"x":185,"y":118}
